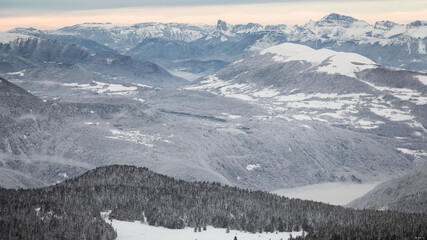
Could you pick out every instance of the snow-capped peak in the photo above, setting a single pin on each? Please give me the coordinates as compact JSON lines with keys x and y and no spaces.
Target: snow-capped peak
{"x":6,"y":37}
{"x":223,"y":28}
{"x":333,"y":17}
{"x":248,"y":28}
{"x":418,"y":24}
{"x":384,"y":25}
{"x":325,"y":60}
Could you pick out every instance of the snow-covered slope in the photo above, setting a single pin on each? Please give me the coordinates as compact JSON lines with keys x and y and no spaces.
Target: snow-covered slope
{"x":6,"y":37}
{"x":38,"y":60}
{"x":297,"y":83}
{"x":407,"y":193}
{"x":324,"y":60}
{"x":187,"y":134}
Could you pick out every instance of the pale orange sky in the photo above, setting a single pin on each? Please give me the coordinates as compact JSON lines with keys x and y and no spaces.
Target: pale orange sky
{"x":270,"y":13}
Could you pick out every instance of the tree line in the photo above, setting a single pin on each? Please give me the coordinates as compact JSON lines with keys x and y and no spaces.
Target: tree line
{"x":71,"y":209}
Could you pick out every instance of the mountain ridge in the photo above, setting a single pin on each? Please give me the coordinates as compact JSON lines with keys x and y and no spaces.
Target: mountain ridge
{"x":407,"y":193}
{"x":406,"y":44}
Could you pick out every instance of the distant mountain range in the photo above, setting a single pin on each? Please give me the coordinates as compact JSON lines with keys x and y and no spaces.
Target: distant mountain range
{"x":387,"y":43}
{"x":51,"y":60}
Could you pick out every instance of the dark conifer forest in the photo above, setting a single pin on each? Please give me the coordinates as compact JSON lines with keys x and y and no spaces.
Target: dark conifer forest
{"x":71,"y":209}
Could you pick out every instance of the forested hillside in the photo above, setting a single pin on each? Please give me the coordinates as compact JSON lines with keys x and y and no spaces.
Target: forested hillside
{"x":407,"y":193}
{"x":71,"y":210}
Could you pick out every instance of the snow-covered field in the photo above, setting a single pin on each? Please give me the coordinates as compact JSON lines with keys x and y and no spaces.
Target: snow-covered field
{"x":333,"y":193}
{"x":137,"y":230}
{"x":101,"y":88}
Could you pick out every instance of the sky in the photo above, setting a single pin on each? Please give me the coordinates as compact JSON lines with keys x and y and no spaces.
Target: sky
{"x":53,"y":14}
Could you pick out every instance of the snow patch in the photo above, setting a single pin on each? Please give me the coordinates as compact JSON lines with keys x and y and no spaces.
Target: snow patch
{"x":415,"y":153}
{"x":422,"y":79}
{"x":20,"y":73}
{"x":91,"y":123}
{"x":405,"y":94}
{"x":301,"y":117}
{"x":366,"y":124}
{"x":139,"y":99}
{"x":135,"y":136}
{"x":231,"y":116}
{"x":421,"y":47}
{"x":392,"y":114}
{"x":142,"y":85}
{"x":266,"y":93}
{"x":251,"y":167}
{"x":63,"y":175}
{"x":104,"y":88}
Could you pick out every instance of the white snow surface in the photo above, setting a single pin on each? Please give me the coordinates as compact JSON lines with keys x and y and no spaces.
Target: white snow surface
{"x":405,"y":94}
{"x":251,"y":167}
{"x":325,"y":60}
{"x":335,"y":193}
{"x":20,"y":73}
{"x":136,"y":137}
{"x":392,"y":114}
{"x":104,"y":88}
{"x":419,"y":155}
{"x":137,"y":230}
{"x":423,"y":79}
{"x":139,"y":99}
{"x":6,"y":37}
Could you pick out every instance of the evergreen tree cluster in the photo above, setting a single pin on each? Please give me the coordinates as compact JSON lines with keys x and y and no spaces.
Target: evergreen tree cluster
{"x":71,"y":209}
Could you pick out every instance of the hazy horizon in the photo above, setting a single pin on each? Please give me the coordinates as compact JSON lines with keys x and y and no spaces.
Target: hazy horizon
{"x":48,"y":14}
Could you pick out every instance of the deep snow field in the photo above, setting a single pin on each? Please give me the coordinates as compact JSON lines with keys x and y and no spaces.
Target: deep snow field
{"x":137,"y":230}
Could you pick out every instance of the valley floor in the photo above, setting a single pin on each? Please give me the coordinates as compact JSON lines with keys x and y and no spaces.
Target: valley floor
{"x":337,"y":193}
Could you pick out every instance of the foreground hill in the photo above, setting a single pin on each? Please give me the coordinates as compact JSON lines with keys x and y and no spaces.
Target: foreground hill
{"x":407,"y":193}
{"x":72,"y":209}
